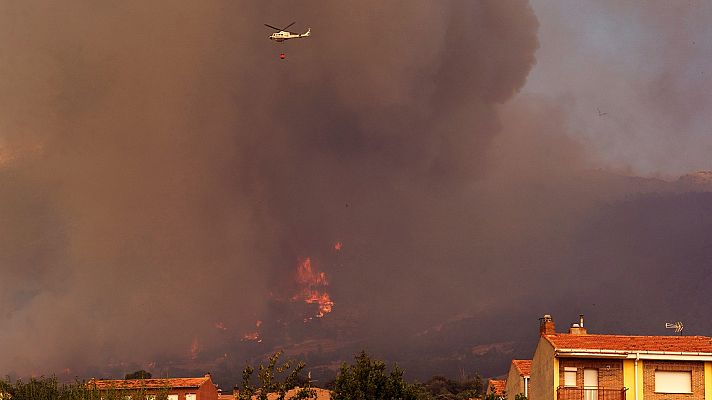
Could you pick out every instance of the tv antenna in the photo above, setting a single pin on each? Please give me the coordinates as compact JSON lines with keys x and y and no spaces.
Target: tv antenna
{"x":677,"y":326}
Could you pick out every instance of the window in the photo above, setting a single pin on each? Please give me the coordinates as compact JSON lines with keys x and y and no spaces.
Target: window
{"x":172,"y":397}
{"x":190,"y":396}
{"x":673,"y":382}
{"x":150,"y":397}
{"x":570,"y":376}
{"x":590,"y":384}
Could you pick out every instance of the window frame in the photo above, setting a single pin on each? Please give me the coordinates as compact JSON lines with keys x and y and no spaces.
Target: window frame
{"x":666,"y":390}
{"x":568,"y":371}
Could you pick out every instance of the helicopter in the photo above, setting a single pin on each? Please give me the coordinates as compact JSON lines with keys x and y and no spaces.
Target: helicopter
{"x":283,"y":34}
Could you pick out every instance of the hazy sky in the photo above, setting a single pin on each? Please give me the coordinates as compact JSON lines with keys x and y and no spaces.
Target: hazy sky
{"x":164,"y":173}
{"x":648,"y":65}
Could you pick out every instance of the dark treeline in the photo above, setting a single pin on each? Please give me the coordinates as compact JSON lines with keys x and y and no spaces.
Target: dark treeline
{"x":366,"y":378}
{"x":44,"y":388}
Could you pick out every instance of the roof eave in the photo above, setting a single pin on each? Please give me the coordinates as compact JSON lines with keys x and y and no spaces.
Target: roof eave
{"x":628,"y":354}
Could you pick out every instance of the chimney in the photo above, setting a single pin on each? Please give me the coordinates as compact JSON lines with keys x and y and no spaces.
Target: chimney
{"x":578,"y":329}
{"x":546,"y":325}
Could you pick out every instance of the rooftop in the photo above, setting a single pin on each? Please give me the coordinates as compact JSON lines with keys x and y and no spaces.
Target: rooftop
{"x":497,"y":385}
{"x":159,"y":383}
{"x":523,"y":366}
{"x":321,"y":394}
{"x":668,"y":344}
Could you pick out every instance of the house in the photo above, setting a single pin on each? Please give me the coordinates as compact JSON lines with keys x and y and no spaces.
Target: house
{"x":321,"y":394}
{"x":582,"y":366}
{"x":231,"y":396}
{"x":518,"y":379}
{"x":496,"y":387}
{"x":175,"y":388}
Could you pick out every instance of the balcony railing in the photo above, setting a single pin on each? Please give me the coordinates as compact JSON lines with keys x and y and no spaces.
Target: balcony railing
{"x":577,"y":393}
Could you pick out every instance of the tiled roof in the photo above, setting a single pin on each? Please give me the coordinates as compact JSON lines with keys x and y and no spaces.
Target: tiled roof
{"x":523,"y":366}
{"x":676,"y":344}
{"x":162,"y":383}
{"x":498,"y":386}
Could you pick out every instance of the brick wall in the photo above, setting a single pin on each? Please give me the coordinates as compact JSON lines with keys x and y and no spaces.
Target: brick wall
{"x":206,"y":392}
{"x":610,"y":372}
{"x":698,"y":379}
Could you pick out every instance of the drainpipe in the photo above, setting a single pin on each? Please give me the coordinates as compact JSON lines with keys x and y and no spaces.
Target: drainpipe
{"x":635,"y":371}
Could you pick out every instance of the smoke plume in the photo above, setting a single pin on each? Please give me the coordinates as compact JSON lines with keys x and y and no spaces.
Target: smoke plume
{"x":163,"y":172}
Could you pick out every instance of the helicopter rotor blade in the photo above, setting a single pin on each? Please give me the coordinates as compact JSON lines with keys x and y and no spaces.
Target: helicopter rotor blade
{"x":270,"y":26}
{"x":285,"y":28}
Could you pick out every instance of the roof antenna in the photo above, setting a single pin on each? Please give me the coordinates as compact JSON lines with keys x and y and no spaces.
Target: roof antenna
{"x":677,"y":326}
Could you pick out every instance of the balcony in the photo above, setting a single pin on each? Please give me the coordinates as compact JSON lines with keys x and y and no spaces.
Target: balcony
{"x":576,"y":393}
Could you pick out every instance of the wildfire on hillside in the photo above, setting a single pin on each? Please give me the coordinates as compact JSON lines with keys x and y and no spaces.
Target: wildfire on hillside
{"x":253,"y":336}
{"x":312,"y":288}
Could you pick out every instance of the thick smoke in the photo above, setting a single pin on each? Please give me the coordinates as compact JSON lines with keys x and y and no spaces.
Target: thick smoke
{"x":647,"y":66}
{"x":163,"y":172}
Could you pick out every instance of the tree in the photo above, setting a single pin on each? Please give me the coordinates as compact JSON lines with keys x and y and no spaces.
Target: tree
{"x":442,"y":388}
{"x":50,"y":389}
{"x":140,"y":374}
{"x":367,"y":379}
{"x":269,"y":380}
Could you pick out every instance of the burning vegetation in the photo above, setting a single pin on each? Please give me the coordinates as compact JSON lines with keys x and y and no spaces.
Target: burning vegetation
{"x":253,"y":336}
{"x":312,"y":288}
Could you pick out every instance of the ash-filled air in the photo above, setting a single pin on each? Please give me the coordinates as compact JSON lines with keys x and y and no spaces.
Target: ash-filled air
{"x":165,"y":175}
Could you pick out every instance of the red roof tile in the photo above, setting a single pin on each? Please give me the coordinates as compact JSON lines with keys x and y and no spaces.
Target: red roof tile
{"x":162,"y":383}
{"x":677,"y":344}
{"x":523,"y":366}
{"x":497,"y":385}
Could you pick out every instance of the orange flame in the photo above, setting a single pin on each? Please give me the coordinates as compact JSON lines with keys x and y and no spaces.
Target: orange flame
{"x":312,"y":288}
{"x":307,"y":276}
{"x":338,"y":246}
{"x":322,"y":299}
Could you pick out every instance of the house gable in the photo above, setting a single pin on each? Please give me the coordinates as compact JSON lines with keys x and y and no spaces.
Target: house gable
{"x":544,"y":372}
{"x":518,"y":378}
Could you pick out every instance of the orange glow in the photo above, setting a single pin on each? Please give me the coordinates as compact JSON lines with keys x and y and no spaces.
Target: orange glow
{"x":307,"y":276}
{"x":322,"y":299}
{"x":312,"y":288}
{"x":253,"y":336}
{"x":221,"y":326}
{"x":338,"y":246}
